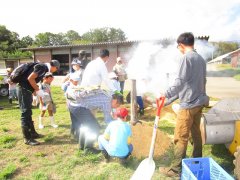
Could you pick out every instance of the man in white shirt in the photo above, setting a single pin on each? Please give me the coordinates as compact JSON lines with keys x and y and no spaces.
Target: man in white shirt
{"x":96,"y":72}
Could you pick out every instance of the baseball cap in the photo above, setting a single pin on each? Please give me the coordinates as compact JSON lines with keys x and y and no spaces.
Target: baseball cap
{"x":121,"y":112}
{"x":76,"y":61}
{"x":55,"y":63}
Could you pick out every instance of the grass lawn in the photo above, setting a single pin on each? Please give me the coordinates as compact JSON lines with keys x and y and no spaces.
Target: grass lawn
{"x":58,"y":156}
{"x":227,"y":69}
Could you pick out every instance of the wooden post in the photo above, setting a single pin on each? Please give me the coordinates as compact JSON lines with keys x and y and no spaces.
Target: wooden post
{"x":133,"y":101}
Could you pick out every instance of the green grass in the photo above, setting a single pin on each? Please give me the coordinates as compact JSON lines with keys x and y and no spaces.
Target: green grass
{"x":7,"y":141}
{"x":58,"y":156}
{"x":8,"y":171}
{"x":237,"y":77}
{"x":230,"y":71}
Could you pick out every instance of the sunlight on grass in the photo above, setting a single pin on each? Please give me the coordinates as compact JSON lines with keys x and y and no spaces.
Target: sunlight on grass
{"x":4,"y":129}
{"x":39,"y":176}
{"x":167,"y":127}
{"x":237,"y":77}
{"x":7,"y":172}
{"x":233,"y":72}
{"x":49,"y":138}
{"x":58,"y":156}
{"x":23,"y":159}
{"x":7,"y":141}
{"x":40,"y":154}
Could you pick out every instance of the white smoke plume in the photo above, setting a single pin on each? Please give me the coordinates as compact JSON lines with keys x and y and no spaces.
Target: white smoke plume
{"x":204,"y":48}
{"x":155,"y":67}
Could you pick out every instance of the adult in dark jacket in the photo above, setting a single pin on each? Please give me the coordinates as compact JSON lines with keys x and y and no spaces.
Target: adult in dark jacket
{"x":26,"y":87}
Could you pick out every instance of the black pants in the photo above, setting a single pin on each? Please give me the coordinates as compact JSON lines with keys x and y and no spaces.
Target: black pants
{"x":82,"y":116}
{"x":25,"y":105}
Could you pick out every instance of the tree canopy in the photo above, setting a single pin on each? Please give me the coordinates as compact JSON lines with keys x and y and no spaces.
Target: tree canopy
{"x":225,"y":47}
{"x":104,"y":35}
{"x":10,"y":42}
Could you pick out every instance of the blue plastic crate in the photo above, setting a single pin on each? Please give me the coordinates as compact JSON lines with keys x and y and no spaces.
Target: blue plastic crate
{"x":203,"y":169}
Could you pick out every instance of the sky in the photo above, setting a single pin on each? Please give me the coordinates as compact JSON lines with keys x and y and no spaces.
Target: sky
{"x":139,"y":19}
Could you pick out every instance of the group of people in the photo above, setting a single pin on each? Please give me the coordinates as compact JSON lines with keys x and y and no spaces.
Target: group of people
{"x":83,"y":93}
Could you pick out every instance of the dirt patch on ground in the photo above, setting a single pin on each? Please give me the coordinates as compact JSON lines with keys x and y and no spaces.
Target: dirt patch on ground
{"x":141,"y":140}
{"x":142,"y":133}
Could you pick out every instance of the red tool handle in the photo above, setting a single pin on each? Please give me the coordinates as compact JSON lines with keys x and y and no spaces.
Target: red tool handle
{"x":160,"y":103}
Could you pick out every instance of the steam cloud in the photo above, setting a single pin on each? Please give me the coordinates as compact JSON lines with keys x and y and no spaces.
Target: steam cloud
{"x":155,"y":67}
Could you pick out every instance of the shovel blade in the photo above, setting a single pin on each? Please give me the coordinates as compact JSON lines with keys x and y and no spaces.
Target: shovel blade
{"x":145,"y":170}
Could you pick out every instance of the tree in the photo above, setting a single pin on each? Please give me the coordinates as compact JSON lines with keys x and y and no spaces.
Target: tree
{"x":26,"y":42}
{"x":224,"y":47}
{"x":8,"y":40}
{"x":116,"y":35}
{"x":72,"y":36}
{"x":49,"y":39}
{"x":104,"y":35}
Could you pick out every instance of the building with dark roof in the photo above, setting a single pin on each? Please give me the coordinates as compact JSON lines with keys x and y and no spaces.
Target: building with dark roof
{"x":65,"y":53}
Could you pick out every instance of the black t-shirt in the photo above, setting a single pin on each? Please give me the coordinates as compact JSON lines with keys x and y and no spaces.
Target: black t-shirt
{"x":39,"y":69}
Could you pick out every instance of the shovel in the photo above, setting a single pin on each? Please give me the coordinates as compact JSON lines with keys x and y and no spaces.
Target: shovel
{"x":147,"y":167}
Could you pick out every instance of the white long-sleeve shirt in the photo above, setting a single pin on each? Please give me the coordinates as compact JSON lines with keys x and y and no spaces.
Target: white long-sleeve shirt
{"x":95,"y":74}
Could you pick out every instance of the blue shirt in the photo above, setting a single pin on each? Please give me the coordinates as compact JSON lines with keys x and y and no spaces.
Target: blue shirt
{"x":118,"y":132}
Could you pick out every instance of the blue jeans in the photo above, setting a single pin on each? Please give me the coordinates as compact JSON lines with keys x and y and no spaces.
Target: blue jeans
{"x":25,"y":105}
{"x":82,"y":116}
{"x":122,"y":86}
{"x":140,"y":102}
{"x":13,"y":94}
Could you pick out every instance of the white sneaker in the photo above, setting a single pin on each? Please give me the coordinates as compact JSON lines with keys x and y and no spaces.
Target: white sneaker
{"x":40,"y":126}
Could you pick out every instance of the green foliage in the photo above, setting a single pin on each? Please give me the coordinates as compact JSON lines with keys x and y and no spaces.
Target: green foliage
{"x":167,"y":127}
{"x":40,"y":154}
{"x":104,"y":35}
{"x":72,"y":36}
{"x":237,"y":77}
{"x":17,"y":54}
{"x":224,"y":47}
{"x":87,"y":157}
{"x":4,"y":129}
{"x":49,"y":138}
{"x":7,"y":141}
{"x":230,"y":71}
{"x":39,"y":176}
{"x":1,"y":78}
{"x":59,"y":157}
{"x":26,"y":41}
{"x":6,"y":39}
{"x":50,"y":39}
{"x":7,"y":172}
{"x":24,"y":159}
{"x":10,"y":43}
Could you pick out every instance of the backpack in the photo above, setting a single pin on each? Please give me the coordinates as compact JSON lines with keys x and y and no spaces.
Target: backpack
{"x":18,"y":74}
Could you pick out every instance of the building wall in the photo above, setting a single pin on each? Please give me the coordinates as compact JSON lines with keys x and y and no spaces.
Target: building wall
{"x":65,"y":55}
{"x":43,"y":56}
{"x":235,"y":59}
